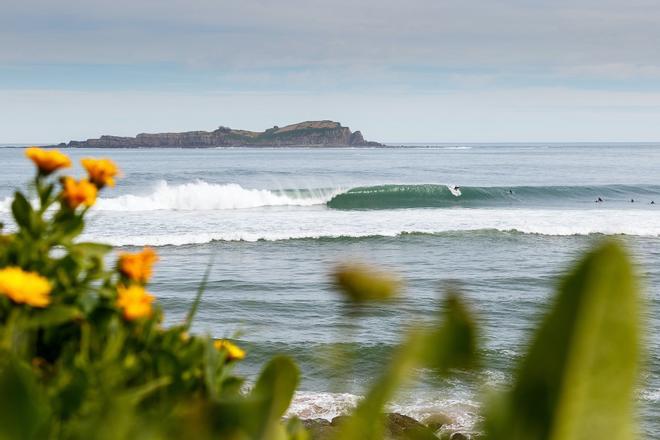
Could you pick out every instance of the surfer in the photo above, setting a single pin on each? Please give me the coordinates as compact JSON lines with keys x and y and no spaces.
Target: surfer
{"x":510,"y":191}
{"x":456,"y":187}
{"x":599,"y":200}
{"x":652,"y":202}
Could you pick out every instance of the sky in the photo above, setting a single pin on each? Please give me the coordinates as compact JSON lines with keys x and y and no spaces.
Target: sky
{"x":399,"y":71}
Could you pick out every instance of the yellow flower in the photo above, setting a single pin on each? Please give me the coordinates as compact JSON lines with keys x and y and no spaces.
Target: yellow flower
{"x":101,"y":171}
{"x":234,"y":352}
{"x":138,"y":266}
{"x":48,"y":161}
{"x":134,"y":301}
{"x":78,"y":192}
{"x":25,"y":287}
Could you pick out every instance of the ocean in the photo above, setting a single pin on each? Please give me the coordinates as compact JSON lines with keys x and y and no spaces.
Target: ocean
{"x":273,"y":222}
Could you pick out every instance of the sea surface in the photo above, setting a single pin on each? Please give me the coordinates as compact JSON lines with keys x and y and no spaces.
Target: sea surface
{"x":275,"y":221}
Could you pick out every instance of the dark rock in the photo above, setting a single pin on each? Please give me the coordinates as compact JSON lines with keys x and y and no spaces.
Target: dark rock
{"x":303,"y":134}
{"x":437,"y":421}
{"x":320,"y":429}
{"x":397,"y":427}
{"x":339,"y":420}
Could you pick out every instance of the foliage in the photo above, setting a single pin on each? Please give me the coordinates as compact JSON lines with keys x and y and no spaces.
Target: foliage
{"x":83,"y":353}
{"x":578,"y":378}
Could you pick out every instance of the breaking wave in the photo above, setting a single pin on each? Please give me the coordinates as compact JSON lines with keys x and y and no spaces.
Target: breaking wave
{"x":445,"y":196}
{"x":203,"y":196}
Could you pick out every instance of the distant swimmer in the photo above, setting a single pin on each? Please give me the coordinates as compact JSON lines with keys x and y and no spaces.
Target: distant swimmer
{"x":652,"y":202}
{"x":599,"y":200}
{"x":632,"y":200}
{"x":510,"y":191}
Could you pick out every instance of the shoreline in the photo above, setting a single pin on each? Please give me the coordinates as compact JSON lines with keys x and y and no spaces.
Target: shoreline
{"x":397,"y":426}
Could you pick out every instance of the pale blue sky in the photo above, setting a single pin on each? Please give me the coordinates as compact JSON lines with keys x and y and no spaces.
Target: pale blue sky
{"x":400,"y":71}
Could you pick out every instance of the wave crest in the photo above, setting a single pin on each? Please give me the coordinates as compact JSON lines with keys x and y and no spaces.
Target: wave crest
{"x":446,"y":196}
{"x":202,"y":196}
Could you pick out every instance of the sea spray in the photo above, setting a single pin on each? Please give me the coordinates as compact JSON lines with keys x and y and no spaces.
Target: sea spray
{"x":204,"y":196}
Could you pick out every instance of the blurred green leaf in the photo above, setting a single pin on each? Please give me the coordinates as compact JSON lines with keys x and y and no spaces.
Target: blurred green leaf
{"x":53,"y":316}
{"x":274,"y":389}
{"x":451,"y":343}
{"x":22,"y":211}
{"x":23,"y":407}
{"x":277,"y":382}
{"x":212,"y":366}
{"x":578,"y":378}
{"x":198,"y":296}
{"x":361,"y":283}
{"x":71,"y":228}
{"x":134,"y":396}
{"x":91,"y":249}
{"x":295,"y":429}
{"x":366,"y":422}
{"x":44,"y":192}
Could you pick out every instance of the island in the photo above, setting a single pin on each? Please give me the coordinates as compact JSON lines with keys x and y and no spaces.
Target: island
{"x":303,"y":134}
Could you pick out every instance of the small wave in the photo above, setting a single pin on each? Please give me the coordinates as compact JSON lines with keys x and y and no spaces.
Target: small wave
{"x":201,"y":196}
{"x":205,"y":238}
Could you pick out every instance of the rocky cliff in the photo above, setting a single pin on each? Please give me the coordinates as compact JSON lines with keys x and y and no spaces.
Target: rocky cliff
{"x":310,"y":133}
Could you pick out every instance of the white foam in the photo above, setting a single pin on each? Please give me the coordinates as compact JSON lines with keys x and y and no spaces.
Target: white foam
{"x":319,"y":405}
{"x":283,"y":223}
{"x":650,"y":395}
{"x":5,"y":204}
{"x":204,"y":196}
{"x":322,"y":405}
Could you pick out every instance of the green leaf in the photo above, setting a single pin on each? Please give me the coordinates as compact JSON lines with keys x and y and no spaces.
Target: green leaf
{"x":274,"y":388}
{"x":451,"y":343}
{"x":23,"y":405}
{"x":91,"y":249}
{"x":44,"y":194}
{"x":578,"y":378}
{"x":366,"y":422}
{"x":53,"y":316}
{"x":361,"y":283}
{"x":135,"y":395}
{"x":198,"y":297}
{"x":295,"y":429}
{"x":22,"y":211}
{"x":213,"y":365}
{"x":71,"y":227}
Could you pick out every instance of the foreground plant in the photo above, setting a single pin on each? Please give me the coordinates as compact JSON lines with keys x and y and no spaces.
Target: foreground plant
{"x":82,"y":345}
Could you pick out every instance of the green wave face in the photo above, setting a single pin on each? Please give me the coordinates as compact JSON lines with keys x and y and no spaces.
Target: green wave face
{"x":440,"y":196}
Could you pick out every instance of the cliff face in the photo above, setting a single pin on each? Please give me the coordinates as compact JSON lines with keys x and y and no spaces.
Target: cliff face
{"x":310,"y":133}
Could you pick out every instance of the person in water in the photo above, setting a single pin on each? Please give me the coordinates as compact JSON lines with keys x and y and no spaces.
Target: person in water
{"x":652,"y":202}
{"x":598,"y":200}
{"x":632,"y":200}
